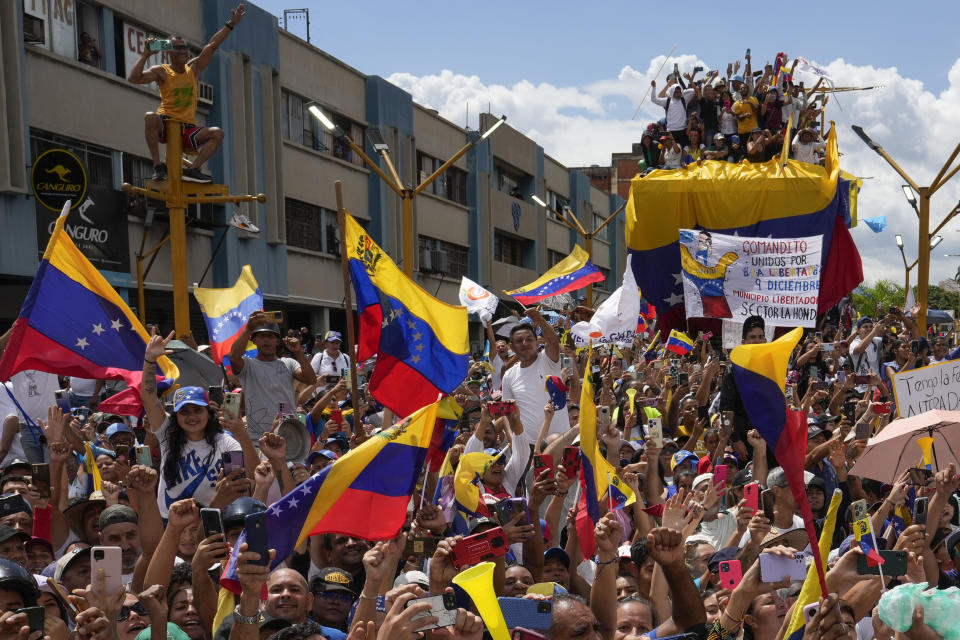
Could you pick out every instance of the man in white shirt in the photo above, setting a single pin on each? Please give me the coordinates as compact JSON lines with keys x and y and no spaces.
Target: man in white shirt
{"x":525,"y":381}
{"x":866,"y":348}
{"x":329,"y":360}
{"x":675,"y":107}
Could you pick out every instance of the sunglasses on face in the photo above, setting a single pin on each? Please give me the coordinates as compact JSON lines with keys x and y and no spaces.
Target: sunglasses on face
{"x":339,"y":596}
{"x":181,"y":47}
{"x":135,"y":608}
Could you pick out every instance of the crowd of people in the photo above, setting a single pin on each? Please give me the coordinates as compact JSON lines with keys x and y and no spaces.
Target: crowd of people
{"x":684,"y":558}
{"x":733,"y":117}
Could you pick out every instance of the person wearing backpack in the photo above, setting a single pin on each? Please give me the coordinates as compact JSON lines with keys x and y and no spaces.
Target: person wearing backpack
{"x":675,"y":107}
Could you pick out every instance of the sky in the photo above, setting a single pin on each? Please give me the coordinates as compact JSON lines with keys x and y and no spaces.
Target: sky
{"x":571,"y":79}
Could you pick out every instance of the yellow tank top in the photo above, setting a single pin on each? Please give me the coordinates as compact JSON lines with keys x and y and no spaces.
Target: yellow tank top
{"x":178,"y":95}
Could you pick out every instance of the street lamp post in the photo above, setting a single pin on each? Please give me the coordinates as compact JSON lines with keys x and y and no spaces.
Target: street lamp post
{"x":393,"y":181}
{"x":578,"y":228}
{"x":923,"y":215}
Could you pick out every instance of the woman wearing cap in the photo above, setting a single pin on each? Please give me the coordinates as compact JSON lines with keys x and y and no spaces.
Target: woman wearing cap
{"x":191,"y":441}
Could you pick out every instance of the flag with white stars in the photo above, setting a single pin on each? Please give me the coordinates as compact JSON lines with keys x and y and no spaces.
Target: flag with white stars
{"x":226,"y":311}
{"x":364,"y":494}
{"x":73,"y":323}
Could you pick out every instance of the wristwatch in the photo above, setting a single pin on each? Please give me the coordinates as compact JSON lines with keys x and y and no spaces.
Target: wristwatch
{"x":239,"y":617}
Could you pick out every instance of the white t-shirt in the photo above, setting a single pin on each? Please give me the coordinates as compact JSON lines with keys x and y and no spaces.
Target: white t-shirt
{"x":324,"y":365}
{"x":265,"y":386}
{"x":198,"y":469}
{"x":526,"y":385}
{"x":35,"y":391}
{"x":868,"y":361}
{"x":83,"y":387}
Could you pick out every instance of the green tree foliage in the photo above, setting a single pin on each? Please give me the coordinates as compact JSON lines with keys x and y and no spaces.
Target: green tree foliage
{"x":885,"y":293}
{"x":940,"y":298}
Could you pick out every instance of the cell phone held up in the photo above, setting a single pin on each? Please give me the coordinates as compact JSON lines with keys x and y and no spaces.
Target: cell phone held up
{"x":571,"y":461}
{"x":731,"y":574}
{"x":107,"y":559}
{"x":211,"y":522}
{"x":751,"y":493}
{"x":232,"y":460}
{"x":543,"y":462}
{"x":40,"y":478}
{"x":498,"y":409}
{"x":894,"y":564}
{"x":442,"y":607}
{"x":255,"y":526}
{"x":478,"y":548}
{"x":508,"y":508}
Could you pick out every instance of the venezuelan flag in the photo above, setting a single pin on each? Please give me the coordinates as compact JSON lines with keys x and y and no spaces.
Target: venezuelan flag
{"x":226,"y":311}
{"x":444,"y":433}
{"x":421,"y":343}
{"x":73,"y":323}
{"x":572,"y":273}
{"x":748,"y":199}
{"x":364,"y":494}
{"x":94,"y":480}
{"x":598,"y":479}
{"x":863,"y":534}
{"x":679,"y":342}
{"x":760,"y":371}
{"x":810,"y":592}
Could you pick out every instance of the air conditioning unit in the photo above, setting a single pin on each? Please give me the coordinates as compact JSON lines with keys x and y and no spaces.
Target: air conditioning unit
{"x":426,"y":264}
{"x":438,"y":259}
{"x":205,"y":94}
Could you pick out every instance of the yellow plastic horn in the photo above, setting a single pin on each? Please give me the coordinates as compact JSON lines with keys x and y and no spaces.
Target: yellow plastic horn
{"x":632,"y":394}
{"x":478,"y":583}
{"x":926,"y":446}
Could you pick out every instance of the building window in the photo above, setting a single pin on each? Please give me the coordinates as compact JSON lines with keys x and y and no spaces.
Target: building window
{"x":451,"y":184}
{"x":136,"y":170}
{"x":89,"y":36}
{"x":51,"y":24}
{"x":301,"y":127}
{"x":508,"y":249}
{"x":597,"y":221}
{"x":605,"y":283}
{"x":553,"y":257}
{"x":557,"y":203}
{"x":311,"y":227}
{"x":97,"y":161}
{"x":437,"y":256}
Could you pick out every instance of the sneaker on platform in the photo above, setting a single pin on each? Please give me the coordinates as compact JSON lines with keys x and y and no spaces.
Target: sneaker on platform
{"x":159,"y":172}
{"x":195,"y":175}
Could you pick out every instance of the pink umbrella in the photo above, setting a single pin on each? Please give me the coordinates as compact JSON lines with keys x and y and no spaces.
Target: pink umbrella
{"x":895,"y":449}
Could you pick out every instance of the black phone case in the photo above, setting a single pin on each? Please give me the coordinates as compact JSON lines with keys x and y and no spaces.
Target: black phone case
{"x":255,"y":525}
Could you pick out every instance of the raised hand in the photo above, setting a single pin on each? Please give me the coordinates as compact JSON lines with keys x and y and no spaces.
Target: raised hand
{"x":183,"y":513}
{"x":157,"y":346}
{"x":273,"y":446}
{"x":143,"y":480}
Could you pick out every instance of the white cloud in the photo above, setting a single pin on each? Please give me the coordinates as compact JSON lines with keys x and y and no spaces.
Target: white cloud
{"x":583,"y":125}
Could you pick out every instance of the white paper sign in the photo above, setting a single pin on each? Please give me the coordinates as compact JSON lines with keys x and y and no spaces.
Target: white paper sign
{"x":736,"y":277}
{"x":934,"y":387}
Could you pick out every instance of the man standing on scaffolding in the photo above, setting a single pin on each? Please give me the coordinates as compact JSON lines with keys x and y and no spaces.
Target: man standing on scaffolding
{"x":177,"y":82}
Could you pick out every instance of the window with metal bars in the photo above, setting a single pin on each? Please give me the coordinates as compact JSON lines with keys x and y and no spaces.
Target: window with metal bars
{"x":311,"y":227}
{"x":98,"y":161}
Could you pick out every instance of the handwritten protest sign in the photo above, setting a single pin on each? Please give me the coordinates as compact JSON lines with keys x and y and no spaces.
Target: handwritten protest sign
{"x":927,"y":388}
{"x":736,"y":277}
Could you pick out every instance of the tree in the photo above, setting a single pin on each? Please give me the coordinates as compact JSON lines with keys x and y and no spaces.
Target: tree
{"x":940,"y":298}
{"x":885,"y":293}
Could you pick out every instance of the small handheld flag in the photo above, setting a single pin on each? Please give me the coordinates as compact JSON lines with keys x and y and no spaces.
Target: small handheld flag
{"x":679,"y":343}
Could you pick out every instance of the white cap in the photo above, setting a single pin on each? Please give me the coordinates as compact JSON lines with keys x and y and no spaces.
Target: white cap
{"x":412,"y":577}
{"x":700,"y":478}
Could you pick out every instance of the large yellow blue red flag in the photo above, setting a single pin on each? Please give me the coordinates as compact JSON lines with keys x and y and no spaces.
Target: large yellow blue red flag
{"x":421,"y":343}
{"x":364,"y":494}
{"x":760,"y":371}
{"x":467,"y":480}
{"x":749,"y":199}
{"x":679,"y":342}
{"x":598,"y":478}
{"x":572,"y":273}
{"x":73,"y":323}
{"x":226,"y":311}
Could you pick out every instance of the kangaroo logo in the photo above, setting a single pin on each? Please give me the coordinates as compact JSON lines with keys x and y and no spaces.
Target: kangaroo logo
{"x":61,"y":172}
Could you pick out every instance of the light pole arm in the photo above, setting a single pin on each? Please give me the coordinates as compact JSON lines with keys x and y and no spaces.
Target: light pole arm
{"x":946,"y":220}
{"x":397,"y":187}
{"x":579,"y":226}
{"x":952,"y":173}
{"x":609,"y":218}
{"x":936,"y":184}
{"x":393,"y":170}
{"x":904,"y":256}
{"x":446,"y":165}
{"x":883,"y":154}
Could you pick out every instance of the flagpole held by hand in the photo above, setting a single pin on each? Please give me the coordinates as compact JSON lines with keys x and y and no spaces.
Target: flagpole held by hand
{"x":348,"y":306}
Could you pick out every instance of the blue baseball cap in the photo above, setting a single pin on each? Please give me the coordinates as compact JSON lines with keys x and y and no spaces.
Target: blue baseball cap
{"x":333,"y":335}
{"x":557,"y":553}
{"x":736,"y":79}
{"x":682,"y":456}
{"x":117,"y":427}
{"x":323,"y":453}
{"x":190,"y":395}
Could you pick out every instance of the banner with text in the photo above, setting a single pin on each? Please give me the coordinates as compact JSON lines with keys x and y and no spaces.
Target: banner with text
{"x":735,"y":277}
{"x":934,"y":387}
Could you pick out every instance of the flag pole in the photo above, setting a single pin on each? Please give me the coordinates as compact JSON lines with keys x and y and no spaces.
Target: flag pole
{"x":348,"y":305}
